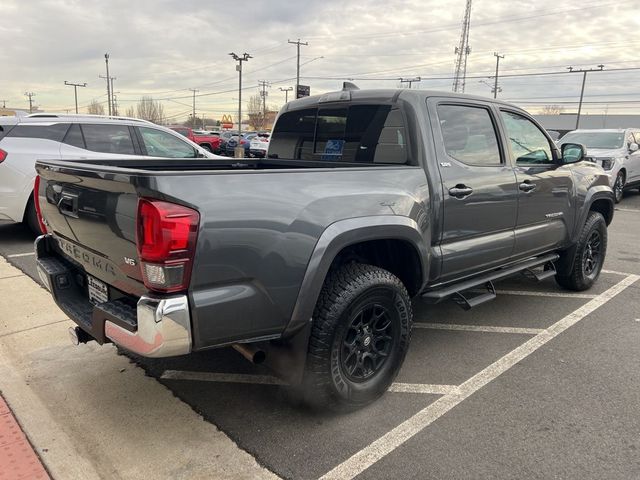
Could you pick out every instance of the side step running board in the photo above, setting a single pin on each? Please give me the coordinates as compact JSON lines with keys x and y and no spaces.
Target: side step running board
{"x":548,"y":271}
{"x":486,"y":280}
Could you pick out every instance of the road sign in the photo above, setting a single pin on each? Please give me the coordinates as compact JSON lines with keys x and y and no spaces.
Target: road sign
{"x":303,"y":91}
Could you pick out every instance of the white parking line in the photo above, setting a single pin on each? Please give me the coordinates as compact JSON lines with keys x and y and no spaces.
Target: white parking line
{"x":627,"y":210}
{"x":424,"y":388}
{"x":386,"y":444}
{"x":478,"y":328}
{"x":614,"y":272}
{"x":16,"y":255}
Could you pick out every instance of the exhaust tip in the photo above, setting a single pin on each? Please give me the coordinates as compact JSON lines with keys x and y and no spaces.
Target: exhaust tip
{"x":254,"y":355}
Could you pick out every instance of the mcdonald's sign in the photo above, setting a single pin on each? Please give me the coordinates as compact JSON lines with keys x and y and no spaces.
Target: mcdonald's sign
{"x":227,"y":121}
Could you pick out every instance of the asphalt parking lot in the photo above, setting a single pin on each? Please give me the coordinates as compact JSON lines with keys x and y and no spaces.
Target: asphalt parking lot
{"x":540,"y":383}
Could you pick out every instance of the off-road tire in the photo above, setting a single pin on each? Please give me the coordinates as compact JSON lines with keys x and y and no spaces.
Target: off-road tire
{"x":618,"y":186}
{"x":31,"y":217}
{"x":348,"y":290}
{"x":582,"y":278}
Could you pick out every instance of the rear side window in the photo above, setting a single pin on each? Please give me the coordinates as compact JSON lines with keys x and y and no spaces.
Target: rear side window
{"x":469,"y":135}
{"x":53,"y":132}
{"x":108,"y":139}
{"x":354,"y":134}
{"x":74,"y":137}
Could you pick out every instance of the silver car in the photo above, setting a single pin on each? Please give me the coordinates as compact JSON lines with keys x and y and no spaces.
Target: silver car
{"x":616,"y":150}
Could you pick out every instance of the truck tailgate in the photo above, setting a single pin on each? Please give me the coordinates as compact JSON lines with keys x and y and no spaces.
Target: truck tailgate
{"x":93,"y":220}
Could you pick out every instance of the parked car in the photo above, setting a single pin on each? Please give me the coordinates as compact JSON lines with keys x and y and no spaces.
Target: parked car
{"x":616,"y":150}
{"x":308,"y":260}
{"x":206,"y":140}
{"x":73,"y":137}
{"x":244,"y":141}
{"x":259,"y":145}
{"x":224,"y":138}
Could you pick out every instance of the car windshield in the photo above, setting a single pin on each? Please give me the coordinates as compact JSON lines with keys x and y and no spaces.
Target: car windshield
{"x":607,"y":140}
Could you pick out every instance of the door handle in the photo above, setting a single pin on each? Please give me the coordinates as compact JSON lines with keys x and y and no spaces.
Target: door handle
{"x":460,"y":191}
{"x":527,"y":186}
{"x":68,"y":205}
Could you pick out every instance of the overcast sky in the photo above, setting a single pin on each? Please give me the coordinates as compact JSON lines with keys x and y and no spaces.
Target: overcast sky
{"x":162,"y":48}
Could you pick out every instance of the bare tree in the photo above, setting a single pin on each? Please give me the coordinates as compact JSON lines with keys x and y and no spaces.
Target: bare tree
{"x":150,"y":109}
{"x":94,"y":108}
{"x":254,"y":110}
{"x":131,"y":112}
{"x":552,"y":110}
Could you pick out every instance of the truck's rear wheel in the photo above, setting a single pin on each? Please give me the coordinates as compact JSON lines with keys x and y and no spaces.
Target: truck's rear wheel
{"x":360,"y":336}
{"x":589,"y":255}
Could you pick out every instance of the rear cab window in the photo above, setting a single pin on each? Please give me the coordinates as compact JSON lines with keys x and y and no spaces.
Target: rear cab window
{"x":362,"y":134}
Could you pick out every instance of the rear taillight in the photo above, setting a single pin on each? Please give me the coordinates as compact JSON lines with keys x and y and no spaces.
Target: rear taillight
{"x":166,"y":241}
{"x":242,"y":142}
{"x":36,"y":202}
{"x":3,"y":155}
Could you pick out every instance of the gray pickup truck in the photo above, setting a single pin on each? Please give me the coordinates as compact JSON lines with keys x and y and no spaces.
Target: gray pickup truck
{"x":308,"y":259}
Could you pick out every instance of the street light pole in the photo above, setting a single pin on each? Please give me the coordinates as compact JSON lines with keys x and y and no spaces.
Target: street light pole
{"x":239,"y":153}
{"x":297,"y":44}
{"x":75,"y":90}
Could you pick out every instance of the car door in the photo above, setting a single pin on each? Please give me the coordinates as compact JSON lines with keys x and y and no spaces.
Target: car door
{"x":546,"y":209}
{"x":633,"y":175}
{"x":479,"y":187}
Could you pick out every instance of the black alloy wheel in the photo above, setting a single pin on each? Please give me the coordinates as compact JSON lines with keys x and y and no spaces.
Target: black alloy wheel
{"x":618,"y":187}
{"x":367,"y":342}
{"x":592,"y":254}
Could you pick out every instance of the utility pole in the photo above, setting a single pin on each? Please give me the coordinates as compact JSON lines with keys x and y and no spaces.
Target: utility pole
{"x":75,"y":90}
{"x":239,"y":153}
{"x":286,"y":93}
{"x":113,"y":96}
{"x":106,"y":61}
{"x":410,"y":80}
{"x":297,"y":44}
{"x":4,"y":103}
{"x":30,"y":95}
{"x":462,"y":51}
{"x":193,"y":116}
{"x":264,"y":84}
{"x":495,"y":85}
{"x":584,"y":81}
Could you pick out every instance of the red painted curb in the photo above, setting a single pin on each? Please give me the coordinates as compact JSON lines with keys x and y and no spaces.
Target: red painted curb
{"x":18,"y":460}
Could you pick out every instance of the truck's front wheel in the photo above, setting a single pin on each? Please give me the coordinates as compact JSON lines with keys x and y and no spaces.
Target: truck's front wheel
{"x":589,"y":255}
{"x":360,"y":336}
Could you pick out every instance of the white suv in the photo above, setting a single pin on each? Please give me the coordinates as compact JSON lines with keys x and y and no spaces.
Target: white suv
{"x":23,"y":140}
{"x":616,"y":150}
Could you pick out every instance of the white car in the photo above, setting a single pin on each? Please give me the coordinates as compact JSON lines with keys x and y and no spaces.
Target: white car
{"x":259,"y":145}
{"x":40,"y":136}
{"x":616,"y":150}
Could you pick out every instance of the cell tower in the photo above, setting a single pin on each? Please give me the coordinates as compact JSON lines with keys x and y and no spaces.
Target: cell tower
{"x":462,"y":52}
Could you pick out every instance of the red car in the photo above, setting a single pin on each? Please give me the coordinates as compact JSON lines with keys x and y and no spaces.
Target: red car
{"x":207,"y":141}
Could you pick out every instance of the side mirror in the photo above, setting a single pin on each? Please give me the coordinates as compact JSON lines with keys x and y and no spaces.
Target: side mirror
{"x":633,"y":147}
{"x":572,"y":152}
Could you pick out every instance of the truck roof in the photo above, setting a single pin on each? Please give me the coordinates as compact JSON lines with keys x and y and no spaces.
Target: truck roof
{"x":381,"y":95}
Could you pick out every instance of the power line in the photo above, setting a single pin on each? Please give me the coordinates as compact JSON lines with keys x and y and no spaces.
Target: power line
{"x":410,"y":81}
{"x":264,"y":84}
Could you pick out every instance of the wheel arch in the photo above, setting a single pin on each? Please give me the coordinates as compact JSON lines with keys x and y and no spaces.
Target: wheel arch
{"x":375,"y":240}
